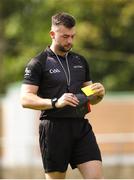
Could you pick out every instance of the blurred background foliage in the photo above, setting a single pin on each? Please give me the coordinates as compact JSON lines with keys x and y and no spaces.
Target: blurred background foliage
{"x":105,"y":36}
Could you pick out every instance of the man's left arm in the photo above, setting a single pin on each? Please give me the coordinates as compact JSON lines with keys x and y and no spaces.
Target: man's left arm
{"x":99,"y":90}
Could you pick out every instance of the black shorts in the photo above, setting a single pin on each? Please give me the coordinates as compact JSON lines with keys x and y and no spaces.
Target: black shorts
{"x":67,"y":141}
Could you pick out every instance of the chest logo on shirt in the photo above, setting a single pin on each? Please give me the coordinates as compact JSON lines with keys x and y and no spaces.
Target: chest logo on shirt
{"x":27,"y":72}
{"x":53,"y":71}
{"x":77,"y":66}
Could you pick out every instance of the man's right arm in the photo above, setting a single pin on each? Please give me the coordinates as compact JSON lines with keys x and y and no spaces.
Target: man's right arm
{"x":29,"y":99}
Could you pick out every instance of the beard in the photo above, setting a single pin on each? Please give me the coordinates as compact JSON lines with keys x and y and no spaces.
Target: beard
{"x":65,"y":49}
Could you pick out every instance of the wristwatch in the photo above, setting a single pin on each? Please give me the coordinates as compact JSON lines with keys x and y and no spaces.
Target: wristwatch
{"x":54,"y":100}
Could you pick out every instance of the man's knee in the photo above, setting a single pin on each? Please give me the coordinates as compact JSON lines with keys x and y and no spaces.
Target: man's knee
{"x":55,"y":175}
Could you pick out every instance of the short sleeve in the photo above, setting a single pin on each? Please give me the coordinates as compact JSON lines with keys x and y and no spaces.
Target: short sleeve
{"x":33,"y":72}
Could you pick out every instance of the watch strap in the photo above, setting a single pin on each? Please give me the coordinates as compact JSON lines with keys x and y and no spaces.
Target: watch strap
{"x":53,"y":101}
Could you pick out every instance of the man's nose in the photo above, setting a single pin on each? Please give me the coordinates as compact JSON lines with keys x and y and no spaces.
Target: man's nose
{"x":70,"y":40}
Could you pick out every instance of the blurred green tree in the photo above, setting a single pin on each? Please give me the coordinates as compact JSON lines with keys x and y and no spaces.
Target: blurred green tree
{"x":104,"y":37}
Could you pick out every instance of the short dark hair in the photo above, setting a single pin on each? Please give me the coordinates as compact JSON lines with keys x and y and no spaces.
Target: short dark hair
{"x":63,"y":19}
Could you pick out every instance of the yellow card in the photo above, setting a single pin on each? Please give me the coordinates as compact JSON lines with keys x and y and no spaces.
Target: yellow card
{"x":87,"y":91}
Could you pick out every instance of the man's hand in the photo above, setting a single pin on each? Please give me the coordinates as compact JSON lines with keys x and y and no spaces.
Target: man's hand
{"x":98,"y":88}
{"x":67,"y":99}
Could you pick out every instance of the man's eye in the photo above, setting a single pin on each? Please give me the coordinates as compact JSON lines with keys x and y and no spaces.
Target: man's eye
{"x":65,"y":36}
{"x":72,"y":36}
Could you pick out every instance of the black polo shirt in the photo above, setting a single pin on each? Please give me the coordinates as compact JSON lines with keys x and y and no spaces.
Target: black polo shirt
{"x":46,"y":72}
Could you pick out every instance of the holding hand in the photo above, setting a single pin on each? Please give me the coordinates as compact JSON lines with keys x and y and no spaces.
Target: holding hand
{"x":99,"y":92}
{"x":67,"y":99}
{"x":98,"y":88}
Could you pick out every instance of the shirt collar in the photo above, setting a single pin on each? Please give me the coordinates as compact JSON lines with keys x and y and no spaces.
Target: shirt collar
{"x":49,"y":51}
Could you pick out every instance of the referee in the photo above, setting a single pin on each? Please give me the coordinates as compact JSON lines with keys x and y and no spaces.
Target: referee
{"x":52,"y":83}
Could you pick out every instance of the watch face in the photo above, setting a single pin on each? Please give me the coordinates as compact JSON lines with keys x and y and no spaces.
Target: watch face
{"x":54,"y":99}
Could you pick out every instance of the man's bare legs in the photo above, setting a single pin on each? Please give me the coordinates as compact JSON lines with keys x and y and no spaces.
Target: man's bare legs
{"x":91,"y":170}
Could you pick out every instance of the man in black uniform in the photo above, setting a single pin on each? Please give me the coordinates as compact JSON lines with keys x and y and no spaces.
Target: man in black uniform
{"x":52,"y":84}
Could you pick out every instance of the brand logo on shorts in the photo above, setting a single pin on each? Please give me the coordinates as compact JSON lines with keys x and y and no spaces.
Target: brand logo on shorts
{"x":53,"y":71}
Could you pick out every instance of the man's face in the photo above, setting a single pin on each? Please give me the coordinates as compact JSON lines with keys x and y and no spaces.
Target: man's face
{"x":63,"y":37}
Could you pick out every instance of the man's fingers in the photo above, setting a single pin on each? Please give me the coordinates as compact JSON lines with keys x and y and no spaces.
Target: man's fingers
{"x":98,"y":89}
{"x":96,"y":86}
{"x":71,"y":100}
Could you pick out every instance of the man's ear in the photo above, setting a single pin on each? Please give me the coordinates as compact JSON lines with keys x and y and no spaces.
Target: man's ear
{"x":52,"y":34}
